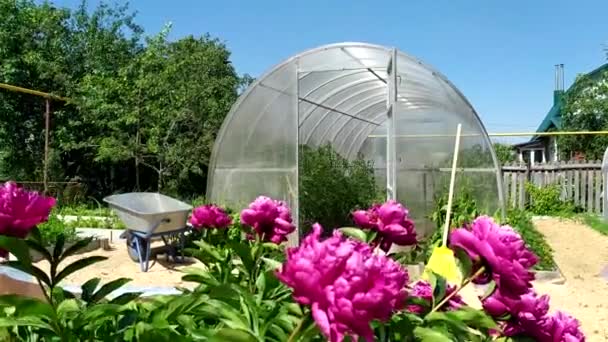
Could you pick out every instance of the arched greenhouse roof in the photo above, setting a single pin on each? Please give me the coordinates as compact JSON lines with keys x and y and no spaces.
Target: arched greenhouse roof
{"x":338,"y":94}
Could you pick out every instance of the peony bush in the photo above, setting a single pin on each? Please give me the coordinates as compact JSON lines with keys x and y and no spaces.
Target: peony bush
{"x":346,"y":287}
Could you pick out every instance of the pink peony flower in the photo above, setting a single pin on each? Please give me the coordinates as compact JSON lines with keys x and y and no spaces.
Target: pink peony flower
{"x":210,"y":216}
{"x":526,"y":315}
{"x":21,"y":211}
{"x":392,"y":223}
{"x":270,"y":219}
{"x":345,"y":283}
{"x":423,"y":290}
{"x":501,"y":251}
{"x":563,"y":328}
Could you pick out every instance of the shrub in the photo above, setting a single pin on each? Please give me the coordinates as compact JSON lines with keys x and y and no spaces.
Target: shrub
{"x":546,"y":201}
{"x":51,"y":229}
{"x":331,"y":187}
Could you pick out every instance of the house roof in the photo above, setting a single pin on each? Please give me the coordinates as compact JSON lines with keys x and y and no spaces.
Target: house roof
{"x":553,"y":119}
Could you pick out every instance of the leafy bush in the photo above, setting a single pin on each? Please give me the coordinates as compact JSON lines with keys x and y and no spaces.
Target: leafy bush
{"x":535,"y":240}
{"x":53,"y":228}
{"x":331,"y":187}
{"x":108,"y":222}
{"x":546,"y":201}
{"x":84,"y":210}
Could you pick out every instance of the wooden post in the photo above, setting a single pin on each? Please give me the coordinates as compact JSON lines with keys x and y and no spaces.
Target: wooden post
{"x":47,"y":124}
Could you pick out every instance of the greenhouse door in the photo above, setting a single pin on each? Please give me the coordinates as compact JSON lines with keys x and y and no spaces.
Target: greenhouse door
{"x":391,"y":157}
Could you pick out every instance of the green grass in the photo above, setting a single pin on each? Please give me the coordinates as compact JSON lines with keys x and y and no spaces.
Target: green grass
{"x":597,"y":223}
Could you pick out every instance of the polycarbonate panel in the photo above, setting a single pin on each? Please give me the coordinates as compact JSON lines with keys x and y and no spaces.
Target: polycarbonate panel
{"x":256,"y":150}
{"x":337,"y":94}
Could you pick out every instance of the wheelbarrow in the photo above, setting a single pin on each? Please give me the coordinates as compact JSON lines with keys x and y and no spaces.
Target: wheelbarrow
{"x":149,"y":215}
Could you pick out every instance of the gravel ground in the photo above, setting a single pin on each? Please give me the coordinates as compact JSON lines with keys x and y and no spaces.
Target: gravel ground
{"x":582,"y":254}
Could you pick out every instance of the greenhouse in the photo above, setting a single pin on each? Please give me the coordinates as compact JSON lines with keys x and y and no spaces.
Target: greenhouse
{"x":366,"y":102}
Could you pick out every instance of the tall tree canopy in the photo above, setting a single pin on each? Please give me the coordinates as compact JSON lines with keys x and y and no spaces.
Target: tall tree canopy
{"x":144,"y":111}
{"x":586,"y":109}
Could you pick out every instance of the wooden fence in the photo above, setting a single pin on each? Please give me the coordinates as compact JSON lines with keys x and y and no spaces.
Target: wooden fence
{"x":581,"y":182}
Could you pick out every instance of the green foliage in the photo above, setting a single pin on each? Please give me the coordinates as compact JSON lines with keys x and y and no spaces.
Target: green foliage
{"x":546,"y":200}
{"x":504,"y":153}
{"x":331,"y":187}
{"x":521,"y":221}
{"x":585,"y":109}
{"x":236,"y":297}
{"x":464,"y":211}
{"x":53,"y":228}
{"x":596,"y":222}
{"x":143,"y":112}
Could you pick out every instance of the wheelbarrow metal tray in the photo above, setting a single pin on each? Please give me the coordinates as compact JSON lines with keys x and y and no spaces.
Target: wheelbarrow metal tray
{"x":150,"y":212}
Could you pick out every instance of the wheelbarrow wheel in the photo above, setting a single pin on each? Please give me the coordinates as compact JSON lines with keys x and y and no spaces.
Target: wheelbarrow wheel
{"x":132,"y":249}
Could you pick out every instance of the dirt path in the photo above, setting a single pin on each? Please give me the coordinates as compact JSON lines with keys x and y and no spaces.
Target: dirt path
{"x":118,"y":265}
{"x":581,"y":253}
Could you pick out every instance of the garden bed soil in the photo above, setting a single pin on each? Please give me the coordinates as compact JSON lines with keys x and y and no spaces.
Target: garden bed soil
{"x":581,"y":254}
{"x":161,"y":273}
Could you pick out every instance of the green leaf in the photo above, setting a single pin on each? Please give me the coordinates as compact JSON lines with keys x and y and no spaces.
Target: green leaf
{"x":125,"y":298}
{"x":78,"y":265}
{"x":272,"y":264}
{"x":431,"y":335}
{"x":472,"y":317}
{"x":209,"y":250}
{"x":199,"y":275}
{"x":294,"y":308}
{"x":489,"y":290}
{"x":260,"y":283}
{"x":35,"y":245}
{"x":31,"y":270}
{"x":464,"y":263}
{"x":77,"y":246}
{"x":58,"y":249}
{"x":109,"y":288}
{"x":89,"y":288}
{"x":244,"y":253}
{"x":67,"y":306}
{"x":35,"y":236}
{"x":439,"y":289}
{"x":354,"y":233}
{"x":18,"y":248}
{"x":233,"y":335}
{"x":35,"y":322}
{"x":26,"y":306}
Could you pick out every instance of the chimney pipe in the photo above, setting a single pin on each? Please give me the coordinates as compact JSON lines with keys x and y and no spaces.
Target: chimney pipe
{"x":561,"y":77}
{"x":556,"y":84}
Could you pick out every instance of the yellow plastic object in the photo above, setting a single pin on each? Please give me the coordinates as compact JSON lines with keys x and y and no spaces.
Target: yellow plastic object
{"x":443,"y":263}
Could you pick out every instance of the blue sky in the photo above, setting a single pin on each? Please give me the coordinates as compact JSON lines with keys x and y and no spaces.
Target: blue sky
{"x":501,"y":54}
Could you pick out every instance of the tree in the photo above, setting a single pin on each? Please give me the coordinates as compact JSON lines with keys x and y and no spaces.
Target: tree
{"x":143,"y":112}
{"x":504,"y":153}
{"x":585,"y":109}
{"x":163,"y":109}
